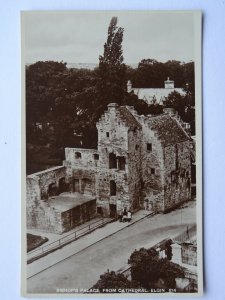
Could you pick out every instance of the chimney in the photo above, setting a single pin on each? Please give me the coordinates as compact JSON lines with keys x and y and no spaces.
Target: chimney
{"x":129,"y":86}
{"x":112,"y":107}
{"x":169,"y":111}
{"x":169,"y":84}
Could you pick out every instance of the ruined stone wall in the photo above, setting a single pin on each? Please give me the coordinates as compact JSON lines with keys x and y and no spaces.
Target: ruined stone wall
{"x":50,"y":177}
{"x":112,"y":138}
{"x":189,"y":254}
{"x":86,"y":160}
{"x":152,"y":169}
{"x":81,"y":172}
{"x":135,"y":168}
{"x":78,"y":215}
{"x":177,"y":174}
{"x":39,"y":214}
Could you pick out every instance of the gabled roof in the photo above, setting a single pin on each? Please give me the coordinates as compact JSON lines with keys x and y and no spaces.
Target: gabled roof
{"x":168,"y":130}
{"x":128,"y":118}
{"x":159,"y":94}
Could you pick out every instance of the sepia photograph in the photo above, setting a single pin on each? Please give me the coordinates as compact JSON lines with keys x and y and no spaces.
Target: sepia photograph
{"x":112,"y":158}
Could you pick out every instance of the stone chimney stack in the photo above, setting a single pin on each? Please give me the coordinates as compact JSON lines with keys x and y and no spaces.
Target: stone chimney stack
{"x":129,"y":86}
{"x":112,"y":107}
{"x":169,"y":84}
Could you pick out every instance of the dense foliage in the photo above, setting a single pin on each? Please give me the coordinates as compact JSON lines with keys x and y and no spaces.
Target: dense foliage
{"x":114,"y":281}
{"x":147,"y":268}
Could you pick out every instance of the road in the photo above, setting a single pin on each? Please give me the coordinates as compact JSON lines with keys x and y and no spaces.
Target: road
{"x":82,"y":270}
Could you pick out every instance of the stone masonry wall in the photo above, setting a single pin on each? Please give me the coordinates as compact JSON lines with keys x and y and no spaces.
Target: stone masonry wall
{"x":112,"y":138}
{"x":78,"y":215}
{"x":135,"y":168}
{"x":81,"y":172}
{"x":152,"y":169}
{"x":177,"y":174}
{"x":39,"y":213}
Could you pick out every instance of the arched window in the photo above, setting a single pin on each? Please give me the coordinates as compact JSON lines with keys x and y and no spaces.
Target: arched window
{"x":112,"y":161}
{"x":112,"y":188}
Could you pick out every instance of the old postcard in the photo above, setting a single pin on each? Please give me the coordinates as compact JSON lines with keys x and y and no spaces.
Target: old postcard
{"x":112,"y":178}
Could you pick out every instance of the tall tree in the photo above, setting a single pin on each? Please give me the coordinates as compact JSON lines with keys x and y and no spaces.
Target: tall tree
{"x":112,"y":80}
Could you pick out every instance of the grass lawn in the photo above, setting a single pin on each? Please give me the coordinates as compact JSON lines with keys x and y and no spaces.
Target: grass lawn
{"x":34,"y":241}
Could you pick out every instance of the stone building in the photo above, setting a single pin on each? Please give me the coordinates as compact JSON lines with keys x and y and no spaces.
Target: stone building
{"x":155,"y":95}
{"x":140,"y":162}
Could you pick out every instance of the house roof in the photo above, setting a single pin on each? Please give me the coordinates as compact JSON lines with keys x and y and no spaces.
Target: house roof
{"x":128,"y":118}
{"x":159,"y":94}
{"x":168,"y":130}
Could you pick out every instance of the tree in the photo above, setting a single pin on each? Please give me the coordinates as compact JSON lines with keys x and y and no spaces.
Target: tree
{"x":112,"y":80}
{"x":147,"y":268}
{"x":184,"y":105}
{"x":168,"y":250}
{"x":113,"y":280}
{"x":144,"y":266}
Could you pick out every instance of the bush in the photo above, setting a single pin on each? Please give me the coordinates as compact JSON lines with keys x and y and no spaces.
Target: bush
{"x":113,"y":280}
{"x":147,"y":268}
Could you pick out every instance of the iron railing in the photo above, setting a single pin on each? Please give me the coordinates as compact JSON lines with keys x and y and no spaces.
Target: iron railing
{"x":186,"y":235}
{"x":41,"y":251}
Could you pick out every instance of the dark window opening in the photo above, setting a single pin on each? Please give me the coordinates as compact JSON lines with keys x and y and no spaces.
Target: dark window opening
{"x":86,"y":186}
{"x":52,"y":190}
{"x":77,"y":155}
{"x":176,"y":158}
{"x":112,"y":188}
{"x":152,"y":171}
{"x":96,"y":156}
{"x":112,"y":161}
{"x":121,"y":162}
{"x":107,"y":134}
{"x":137,"y":147}
{"x":76,"y":185}
{"x":149,"y":147}
{"x":113,"y":211}
{"x":62,"y":185}
{"x":99,"y":210}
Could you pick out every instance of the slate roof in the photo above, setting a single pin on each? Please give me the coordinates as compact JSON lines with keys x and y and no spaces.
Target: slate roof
{"x":168,"y":130}
{"x":128,"y":118}
{"x":159,"y":94}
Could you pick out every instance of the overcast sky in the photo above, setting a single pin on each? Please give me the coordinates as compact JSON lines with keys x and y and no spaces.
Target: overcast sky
{"x":79,"y":36}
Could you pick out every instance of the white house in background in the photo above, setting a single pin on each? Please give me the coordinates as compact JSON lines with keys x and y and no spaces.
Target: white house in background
{"x":154,"y":95}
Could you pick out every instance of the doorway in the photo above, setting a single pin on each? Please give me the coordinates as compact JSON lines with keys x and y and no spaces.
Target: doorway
{"x":76,"y":185}
{"x":112,"y":211}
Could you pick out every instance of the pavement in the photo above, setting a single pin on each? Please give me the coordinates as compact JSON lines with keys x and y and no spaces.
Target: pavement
{"x":82,"y":243}
{"x":82,"y":269}
{"x":53,"y":238}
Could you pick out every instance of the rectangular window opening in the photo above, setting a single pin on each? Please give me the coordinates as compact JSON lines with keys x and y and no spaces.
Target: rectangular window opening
{"x":153,"y":171}
{"x":96,"y":156}
{"x":149,"y":147}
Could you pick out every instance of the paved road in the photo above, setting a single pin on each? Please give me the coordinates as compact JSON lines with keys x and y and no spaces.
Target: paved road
{"x":82,"y":270}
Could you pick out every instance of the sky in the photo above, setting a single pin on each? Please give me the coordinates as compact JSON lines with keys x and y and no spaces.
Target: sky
{"x":79,"y":36}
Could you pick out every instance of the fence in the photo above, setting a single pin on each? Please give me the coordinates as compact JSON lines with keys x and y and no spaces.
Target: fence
{"x":186,"y":235}
{"x":39,"y":252}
